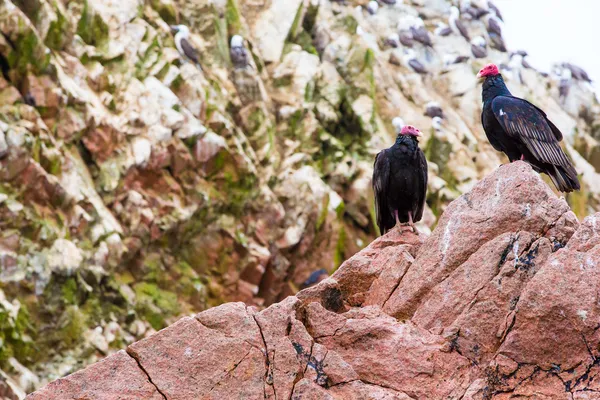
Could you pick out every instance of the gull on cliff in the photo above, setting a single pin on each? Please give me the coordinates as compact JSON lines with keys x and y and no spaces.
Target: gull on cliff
{"x":182,"y":42}
{"x":238,"y":53}
{"x":458,"y":27}
{"x":393,"y":40}
{"x":479,"y":47}
{"x":473,"y":9}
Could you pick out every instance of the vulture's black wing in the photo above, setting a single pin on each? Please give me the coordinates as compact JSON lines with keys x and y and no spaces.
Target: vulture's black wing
{"x":381,"y":182}
{"x":422,"y":192}
{"x":528,"y":125}
{"x":189,"y":51}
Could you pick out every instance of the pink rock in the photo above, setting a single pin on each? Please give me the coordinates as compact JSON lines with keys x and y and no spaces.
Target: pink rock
{"x":115,"y":377}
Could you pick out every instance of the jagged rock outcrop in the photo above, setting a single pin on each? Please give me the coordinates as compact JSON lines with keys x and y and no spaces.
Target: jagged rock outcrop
{"x":136,"y":188}
{"x":500,"y":302}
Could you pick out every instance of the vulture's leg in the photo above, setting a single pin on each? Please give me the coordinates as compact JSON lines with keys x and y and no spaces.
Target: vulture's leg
{"x":412,"y":224}
{"x":398,"y":224}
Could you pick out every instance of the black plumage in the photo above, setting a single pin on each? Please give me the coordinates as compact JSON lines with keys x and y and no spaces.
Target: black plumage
{"x":400,"y":182}
{"x":523,"y":132}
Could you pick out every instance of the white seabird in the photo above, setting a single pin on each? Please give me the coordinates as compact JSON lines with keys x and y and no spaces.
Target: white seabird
{"x":238,"y":53}
{"x":183,"y":44}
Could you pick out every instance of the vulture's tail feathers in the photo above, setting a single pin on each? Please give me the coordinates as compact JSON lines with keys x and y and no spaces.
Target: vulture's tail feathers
{"x":565,"y":179}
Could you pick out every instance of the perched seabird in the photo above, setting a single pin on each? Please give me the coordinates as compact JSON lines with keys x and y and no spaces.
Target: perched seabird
{"x":372,"y":7}
{"x":450,"y":59}
{"x":494,"y":29}
{"x":389,"y":2}
{"x":493,"y":25}
{"x":564,"y":85}
{"x":442,"y":29}
{"x":497,"y":42}
{"x":433,"y":109}
{"x":577,"y":72}
{"x":420,"y":33}
{"x":479,"y":47}
{"x":404,"y":31}
{"x":458,"y":27}
{"x":393,"y":40}
{"x":492,"y":7}
{"x":238,"y":53}
{"x":182,"y":42}
{"x":411,"y":61}
{"x":472,"y":11}
{"x":519,"y":56}
{"x":437,"y":124}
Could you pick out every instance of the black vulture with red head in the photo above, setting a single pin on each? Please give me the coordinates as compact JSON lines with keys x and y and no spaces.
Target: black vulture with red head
{"x":522,"y":131}
{"x":400,"y":182}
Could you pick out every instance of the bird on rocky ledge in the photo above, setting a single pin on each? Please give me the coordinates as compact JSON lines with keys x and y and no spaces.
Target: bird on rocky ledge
{"x":238,"y":53}
{"x":400,"y":182}
{"x":522,"y":131}
{"x":182,"y":42}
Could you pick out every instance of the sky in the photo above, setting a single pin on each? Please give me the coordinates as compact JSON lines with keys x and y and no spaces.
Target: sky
{"x":553,"y":31}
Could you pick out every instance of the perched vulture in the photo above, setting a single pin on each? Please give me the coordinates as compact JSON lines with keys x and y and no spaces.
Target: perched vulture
{"x":479,"y":47}
{"x":400,"y":182}
{"x":182,"y":42}
{"x":238,"y":53}
{"x":458,"y":27}
{"x":523,"y":132}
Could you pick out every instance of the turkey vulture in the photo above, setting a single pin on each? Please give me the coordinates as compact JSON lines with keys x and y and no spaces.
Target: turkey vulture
{"x":182,"y":42}
{"x":523,"y":132}
{"x":400,"y":182}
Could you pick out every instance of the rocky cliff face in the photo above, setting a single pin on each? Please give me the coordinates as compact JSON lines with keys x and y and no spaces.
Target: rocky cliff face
{"x":500,"y":302}
{"x":135,"y":188}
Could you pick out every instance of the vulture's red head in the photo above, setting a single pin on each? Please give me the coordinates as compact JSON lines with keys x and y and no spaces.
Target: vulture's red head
{"x":488,"y":70}
{"x":410,"y":130}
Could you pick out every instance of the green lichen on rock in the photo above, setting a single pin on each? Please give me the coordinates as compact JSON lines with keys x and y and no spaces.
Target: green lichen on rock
{"x":91,"y":27}
{"x":154,"y":304}
{"x":59,"y":31}
{"x":16,"y":334}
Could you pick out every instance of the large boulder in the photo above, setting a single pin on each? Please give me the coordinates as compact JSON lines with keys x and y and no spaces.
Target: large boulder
{"x":499,"y":302}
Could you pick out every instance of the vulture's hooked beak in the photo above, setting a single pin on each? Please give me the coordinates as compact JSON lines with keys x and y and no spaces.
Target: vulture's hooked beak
{"x":480,"y":78}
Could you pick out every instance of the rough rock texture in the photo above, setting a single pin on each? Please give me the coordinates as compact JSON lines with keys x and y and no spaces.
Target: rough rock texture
{"x":500,"y":302}
{"x":136,"y":188}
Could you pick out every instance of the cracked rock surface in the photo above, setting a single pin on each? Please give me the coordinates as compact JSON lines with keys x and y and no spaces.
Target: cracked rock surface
{"x":500,"y":302}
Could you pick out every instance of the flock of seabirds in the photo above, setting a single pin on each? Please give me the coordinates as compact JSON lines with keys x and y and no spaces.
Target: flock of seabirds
{"x":512,"y":125}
